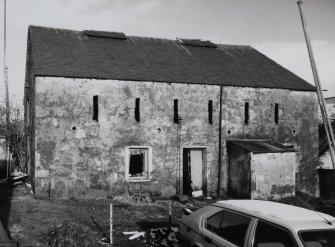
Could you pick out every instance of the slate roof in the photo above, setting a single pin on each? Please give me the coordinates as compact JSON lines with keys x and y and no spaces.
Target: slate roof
{"x":261,"y":146}
{"x":74,"y":54}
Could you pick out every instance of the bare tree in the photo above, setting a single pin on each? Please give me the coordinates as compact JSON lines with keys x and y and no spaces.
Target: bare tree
{"x":15,"y":131}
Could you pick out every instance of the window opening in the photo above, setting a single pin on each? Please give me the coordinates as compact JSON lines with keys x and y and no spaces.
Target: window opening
{"x":210,"y":111}
{"x":175,"y":112}
{"x":137,"y":109}
{"x":138,"y":163}
{"x":276,"y":113}
{"x":246,"y":113}
{"x":95,"y":107}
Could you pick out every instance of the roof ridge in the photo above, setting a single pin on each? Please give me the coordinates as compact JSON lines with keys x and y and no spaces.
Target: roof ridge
{"x":176,"y":40}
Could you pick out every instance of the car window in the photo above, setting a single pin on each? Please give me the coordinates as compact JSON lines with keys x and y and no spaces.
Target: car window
{"x":267,"y":235}
{"x":320,"y":238}
{"x":234,"y":227}
{"x":213,"y":222}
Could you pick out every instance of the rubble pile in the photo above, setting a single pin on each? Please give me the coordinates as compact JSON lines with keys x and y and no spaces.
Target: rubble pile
{"x":71,"y":234}
{"x":140,"y":198}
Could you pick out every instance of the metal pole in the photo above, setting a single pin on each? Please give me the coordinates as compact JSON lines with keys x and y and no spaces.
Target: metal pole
{"x":7,"y":93}
{"x":326,"y":121}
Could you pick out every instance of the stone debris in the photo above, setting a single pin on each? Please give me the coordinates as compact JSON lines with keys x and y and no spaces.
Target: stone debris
{"x":130,"y":233}
{"x":162,"y":237}
{"x":182,"y":198}
{"x":197,"y":193}
{"x":140,"y":198}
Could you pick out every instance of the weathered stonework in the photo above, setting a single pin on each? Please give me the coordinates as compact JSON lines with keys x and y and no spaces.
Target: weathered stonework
{"x":76,"y":156}
{"x":298,"y":125}
{"x":273,"y":175}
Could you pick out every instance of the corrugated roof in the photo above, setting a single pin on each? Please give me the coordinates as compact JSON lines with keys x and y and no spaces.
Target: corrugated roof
{"x":330,"y":100}
{"x":323,"y":141}
{"x":260,"y":146}
{"x":67,"y":53}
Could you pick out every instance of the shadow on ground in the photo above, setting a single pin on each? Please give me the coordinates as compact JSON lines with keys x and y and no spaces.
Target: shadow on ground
{"x":6,"y":194}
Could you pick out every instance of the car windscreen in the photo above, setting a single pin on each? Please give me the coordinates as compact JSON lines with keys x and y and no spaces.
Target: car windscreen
{"x":318,"y":238}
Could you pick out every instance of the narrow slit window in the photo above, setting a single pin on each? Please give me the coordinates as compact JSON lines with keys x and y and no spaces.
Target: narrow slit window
{"x":137,"y":109}
{"x":210,"y":111}
{"x":95,"y":107}
{"x":175,"y":112}
{"x":246,"y":113}
{"x":276,"y":113}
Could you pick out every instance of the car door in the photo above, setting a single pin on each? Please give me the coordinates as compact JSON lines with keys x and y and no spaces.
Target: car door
{"x":211,"y":225}
{"x":233,"y":230}
{"x":268,"y":234}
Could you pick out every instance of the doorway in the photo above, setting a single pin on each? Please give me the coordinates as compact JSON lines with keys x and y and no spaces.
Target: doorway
{"x":193,"y":170}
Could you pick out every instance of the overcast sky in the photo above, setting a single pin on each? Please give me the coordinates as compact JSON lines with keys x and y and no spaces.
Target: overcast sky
{"x":273,"y":27}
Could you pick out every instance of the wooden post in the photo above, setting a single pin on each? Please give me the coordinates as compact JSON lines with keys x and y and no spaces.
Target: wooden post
{"x":325,"y":118}
{"x":170,"y":213}
{"x":111,"y":224}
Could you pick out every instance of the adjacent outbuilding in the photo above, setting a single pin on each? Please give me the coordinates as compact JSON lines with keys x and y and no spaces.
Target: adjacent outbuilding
{"x":259,"y":169}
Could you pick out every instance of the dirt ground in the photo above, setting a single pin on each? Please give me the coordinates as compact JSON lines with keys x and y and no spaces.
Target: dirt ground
{"x":36,"y":222}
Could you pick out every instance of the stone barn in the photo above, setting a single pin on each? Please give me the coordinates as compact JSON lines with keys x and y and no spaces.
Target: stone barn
{"x":108,"y":114}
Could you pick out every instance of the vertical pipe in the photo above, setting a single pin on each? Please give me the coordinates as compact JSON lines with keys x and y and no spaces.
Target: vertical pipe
{"x":220,"y":144}
{"x":326,"y":121}
{"x":111,"y":224}
{"x":178,"y":159}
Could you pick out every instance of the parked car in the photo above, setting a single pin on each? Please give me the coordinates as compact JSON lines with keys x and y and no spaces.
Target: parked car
{"x":256,"y":223}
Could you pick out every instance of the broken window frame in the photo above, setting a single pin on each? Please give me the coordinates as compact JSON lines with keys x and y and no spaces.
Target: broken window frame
{"x":147,"y":163}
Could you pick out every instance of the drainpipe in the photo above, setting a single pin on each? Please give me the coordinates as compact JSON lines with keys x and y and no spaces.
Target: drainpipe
{"x":220,"y":143}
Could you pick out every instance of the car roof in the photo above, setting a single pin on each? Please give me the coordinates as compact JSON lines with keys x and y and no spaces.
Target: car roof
{"x":289,"y":216}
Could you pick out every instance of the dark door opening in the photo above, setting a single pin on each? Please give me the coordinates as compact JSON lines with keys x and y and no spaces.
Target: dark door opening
{"x":187,"y":189}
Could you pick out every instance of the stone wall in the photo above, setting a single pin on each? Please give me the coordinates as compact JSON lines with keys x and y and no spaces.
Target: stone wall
{"x":238,"y":172}
{"x":76,"y":156}
{"x":272,"y":175}
{"x":79,"y":157}
{"x":298,"y":125}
